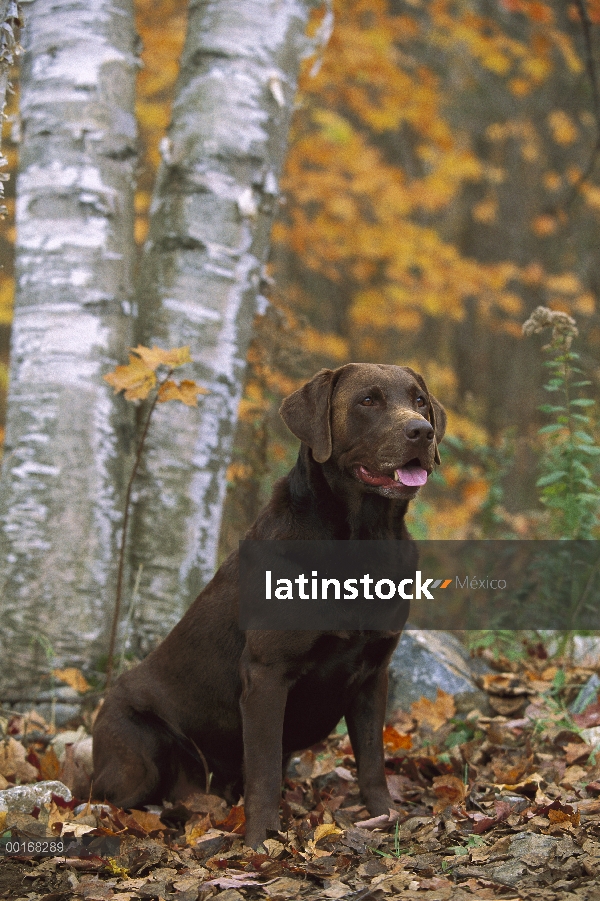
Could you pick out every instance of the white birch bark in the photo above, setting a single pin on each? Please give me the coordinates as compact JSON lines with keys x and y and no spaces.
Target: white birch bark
{"x":9,"y":28}
{"x":208,"y":240}
{"x":60,"y":490}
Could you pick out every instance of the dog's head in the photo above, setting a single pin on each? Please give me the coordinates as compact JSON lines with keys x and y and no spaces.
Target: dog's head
{"x":377,"y":423}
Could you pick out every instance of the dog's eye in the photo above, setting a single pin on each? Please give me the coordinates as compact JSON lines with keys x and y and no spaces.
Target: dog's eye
{"x":421,"y":402}
{"x":367,"y":402}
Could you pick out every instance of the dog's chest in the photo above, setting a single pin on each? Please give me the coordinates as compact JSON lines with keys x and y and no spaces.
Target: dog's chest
{"x":342,"y":661}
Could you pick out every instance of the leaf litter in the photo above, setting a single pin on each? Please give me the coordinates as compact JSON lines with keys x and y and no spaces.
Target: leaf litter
{"x":487,"y":805}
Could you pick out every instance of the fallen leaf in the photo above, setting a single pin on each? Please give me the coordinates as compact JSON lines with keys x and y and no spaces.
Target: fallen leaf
{"x":72,"y":677}
{"x":449,"y":790}
{"x":235,"y":821}
{"x":559,"y":816}
{"x":196,"y":828}
{"x":13,"y":763}
{"x":577,"y":752}
{"x":394,"y":740}
{"x":434,"y":713}
{"x":504,"y":684}
{"x":325,"y":829}
{"x":49,"y":765}
{"x":589,"y":718}
{"x":150,"y":822}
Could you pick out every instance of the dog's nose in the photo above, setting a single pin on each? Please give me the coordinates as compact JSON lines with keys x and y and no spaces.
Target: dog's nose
{"x":419,"y":430}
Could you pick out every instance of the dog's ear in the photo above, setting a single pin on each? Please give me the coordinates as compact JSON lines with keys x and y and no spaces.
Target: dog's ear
{"x":307,"y":414}
{"x":437,"y":418}
{"x":437,"y":414}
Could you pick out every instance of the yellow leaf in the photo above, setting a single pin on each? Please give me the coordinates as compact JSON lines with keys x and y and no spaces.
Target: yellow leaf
{"x":72,"y":677}
{"x":544,"y":226}
{"x":186,"y":391}
{"x":585,"y":304}
{"x":563,"y":129}
{"x":434,"y":713}
{"x":155,"y":357}
{"x":325,"y":829}
{"x":135,"y":379}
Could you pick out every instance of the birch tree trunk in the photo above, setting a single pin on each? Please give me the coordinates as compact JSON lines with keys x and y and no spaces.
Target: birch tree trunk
{"x":67,"y":437}
{"x":208,"y":240}
{"x":9,"y":25}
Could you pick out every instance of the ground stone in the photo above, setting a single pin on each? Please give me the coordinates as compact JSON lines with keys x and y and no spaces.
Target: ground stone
{"x":425,"y":661}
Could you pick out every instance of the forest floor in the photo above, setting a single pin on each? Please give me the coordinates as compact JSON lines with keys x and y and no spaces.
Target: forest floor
{"x":503,"y":804}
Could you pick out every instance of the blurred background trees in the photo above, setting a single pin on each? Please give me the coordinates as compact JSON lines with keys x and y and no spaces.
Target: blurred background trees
{"x":442,"y":181}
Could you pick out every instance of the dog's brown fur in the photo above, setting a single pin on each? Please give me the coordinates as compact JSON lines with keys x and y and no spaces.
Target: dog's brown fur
{"x":247,"y":700}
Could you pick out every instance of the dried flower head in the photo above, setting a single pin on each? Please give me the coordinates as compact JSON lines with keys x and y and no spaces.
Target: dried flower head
{"x":563,"y":326}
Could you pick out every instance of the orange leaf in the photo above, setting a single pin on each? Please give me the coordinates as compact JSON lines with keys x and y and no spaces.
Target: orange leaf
{"x":72,"y":677}
{"x":136,"y":379}
{"x":235,"y":821}
{"x":449,"y":790}
{"x":50,"y":765}
{"x":186,"y":391}
{"x":150,"y":822}
{"x":156,"y":356}
{"x":562,"y":816}
{"x":434,"y":713}
{"x":394,"y":740}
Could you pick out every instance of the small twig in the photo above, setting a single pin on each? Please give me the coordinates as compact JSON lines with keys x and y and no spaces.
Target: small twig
{"x":129,"y":616}
{"x":119,"y":593}
{"x":205,"y":765}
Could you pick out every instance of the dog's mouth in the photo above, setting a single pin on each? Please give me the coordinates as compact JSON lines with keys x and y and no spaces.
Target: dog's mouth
{"x":410,"y":475}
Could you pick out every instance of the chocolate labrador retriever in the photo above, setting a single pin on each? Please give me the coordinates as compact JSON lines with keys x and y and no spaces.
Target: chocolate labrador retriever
{"x":242,"y":702}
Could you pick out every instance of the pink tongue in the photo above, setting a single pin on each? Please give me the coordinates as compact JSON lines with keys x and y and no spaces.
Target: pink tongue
{"x":412,"y":475}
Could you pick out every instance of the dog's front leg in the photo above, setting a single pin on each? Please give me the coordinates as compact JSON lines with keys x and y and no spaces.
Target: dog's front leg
{"x":365,"y":721}
{"x":263,"y":700}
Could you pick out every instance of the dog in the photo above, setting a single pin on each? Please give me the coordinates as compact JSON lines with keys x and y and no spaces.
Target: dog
{"x":212,"y":697}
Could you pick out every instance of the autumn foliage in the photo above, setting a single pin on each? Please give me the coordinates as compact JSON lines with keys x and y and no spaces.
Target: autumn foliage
{"x":441,"y":183}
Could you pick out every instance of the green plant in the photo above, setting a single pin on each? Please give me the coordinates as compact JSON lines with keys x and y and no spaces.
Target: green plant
{"x":567,"y":486}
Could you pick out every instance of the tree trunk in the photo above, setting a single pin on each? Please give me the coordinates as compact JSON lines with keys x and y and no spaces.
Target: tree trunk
{"x":208,"y":240}
{"x":67,"y":436}
{"x":9,"y":23}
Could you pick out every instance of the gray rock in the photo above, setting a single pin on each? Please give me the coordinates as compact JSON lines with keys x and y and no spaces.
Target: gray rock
{"x":509,"y":873}
{"x":23,"y":798}
{"x":62,"y":713}
{"x":587,"y":694}
{"x":425,"y":661}
{"x":531,"y":843}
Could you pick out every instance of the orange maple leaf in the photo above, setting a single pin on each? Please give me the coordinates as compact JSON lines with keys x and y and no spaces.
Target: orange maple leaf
{"x":449,"y":790}
{"x":136,"y":379}
{"x":73,"y":677}
{"x":156,"y":356}
{"x":186,"y":391}
{"x":434,"y":713}
{"x":394,"y":740}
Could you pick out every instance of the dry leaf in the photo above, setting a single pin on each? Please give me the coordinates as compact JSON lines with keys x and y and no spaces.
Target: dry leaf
{"x":449,"y":791}
{"x":434,"y":713}
{"x":150,"y":822}
{"x":72,"y":677}
{"x":156,"y":356}
{"x":394,"y":740}
{"x":504,"y":685}
{"x":561,"y":816}
{"x":13,"y":764}
{"x":235,"y":821}
{"x":186,"y":391}
{"x":325,"y":829}
{"x":49,"y":765}
{"x":136,"y":379}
